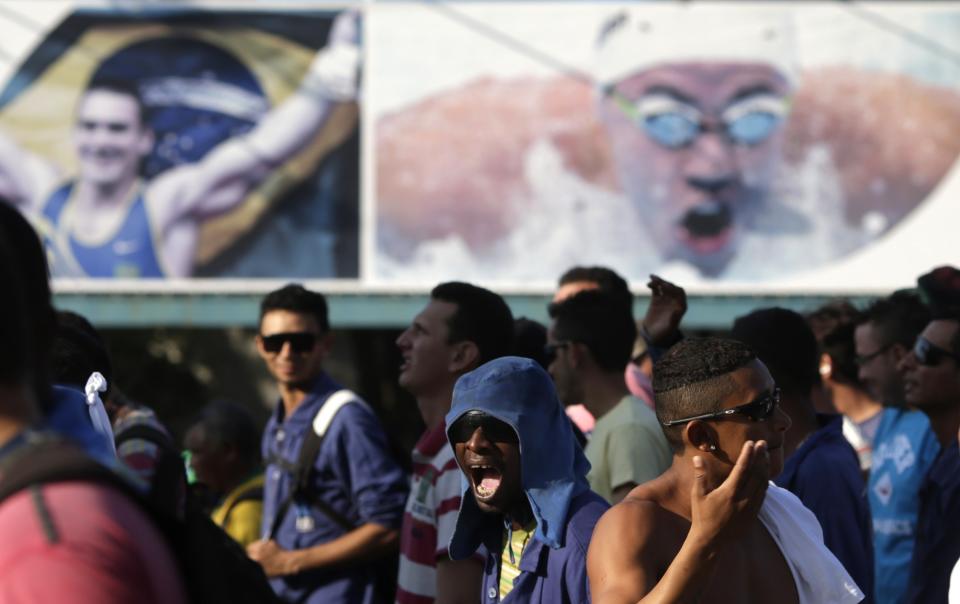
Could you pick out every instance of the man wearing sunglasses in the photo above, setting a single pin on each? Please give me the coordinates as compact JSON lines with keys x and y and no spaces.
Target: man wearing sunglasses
{"x":462,"y":327}
{"x":591,"y":339}
{"x":695,"y":124}
{"x":712,"y":528}
{"x":318,"y":545}
{"x":931,"y":375}
{"x":821,"y":468}
{"x":526,"y":499}
{"x":904,"y":447}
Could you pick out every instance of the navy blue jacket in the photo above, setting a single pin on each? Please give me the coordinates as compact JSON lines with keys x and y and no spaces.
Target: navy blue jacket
{"x":938,"y":530}
{"x":554,"y":475}
{"x":824,"y":473}
{"x":356,"y":476}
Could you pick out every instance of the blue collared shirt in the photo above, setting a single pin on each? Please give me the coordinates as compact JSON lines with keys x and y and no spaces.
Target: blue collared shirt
{"x":938,"y":530}
{"x":547,"y":576}
{"x":824,"y":473}
{"x":903,"y":451}
{"x":356,"y":476}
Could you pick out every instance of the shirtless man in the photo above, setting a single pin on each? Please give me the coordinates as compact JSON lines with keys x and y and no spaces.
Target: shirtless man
{"x":106,"y":222}
{"x":712,"y":528}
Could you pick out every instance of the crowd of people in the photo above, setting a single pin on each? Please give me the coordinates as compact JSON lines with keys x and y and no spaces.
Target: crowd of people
{"x":798,"y":458}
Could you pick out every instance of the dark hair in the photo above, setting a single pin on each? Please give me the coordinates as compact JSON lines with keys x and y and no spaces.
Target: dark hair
{"x":78,"y":351}
{"x":481,"y":317}
{"x":898,"y":318}
{"x":530,"y":340}
{"x":229,"y":424}
{"x":124,"y":87}
{"x":693,"y":378}
{"x":37,"y":316}
{"x":15,"y":354}
{"x":293,"y":297}
{"x":607,"y":280}
{"x":600,"y":321}
{"x":833,"y":325}
{"x":786,"y":345}
{"x":940,"y":290}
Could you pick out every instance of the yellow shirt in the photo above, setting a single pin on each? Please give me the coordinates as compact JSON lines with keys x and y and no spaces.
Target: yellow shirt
{"x":510,"y":557}
{"x":243,"y":521}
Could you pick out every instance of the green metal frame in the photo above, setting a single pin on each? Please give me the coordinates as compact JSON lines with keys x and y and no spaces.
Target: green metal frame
{"x":373,"y":310}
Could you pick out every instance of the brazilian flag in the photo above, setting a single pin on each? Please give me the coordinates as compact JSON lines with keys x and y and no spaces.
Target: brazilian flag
{"x":207,"y":76}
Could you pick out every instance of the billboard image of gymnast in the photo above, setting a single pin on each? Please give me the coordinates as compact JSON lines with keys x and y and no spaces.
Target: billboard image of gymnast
{"x":188,"y":144}
{"x":714,"y":144}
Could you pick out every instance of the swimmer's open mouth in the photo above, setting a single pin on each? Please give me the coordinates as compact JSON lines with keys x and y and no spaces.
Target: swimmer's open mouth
{"x":707,"y":227}
{"x":486,"y":480}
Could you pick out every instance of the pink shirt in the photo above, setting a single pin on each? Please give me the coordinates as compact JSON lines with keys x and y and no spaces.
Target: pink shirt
{"x":106,"y":550}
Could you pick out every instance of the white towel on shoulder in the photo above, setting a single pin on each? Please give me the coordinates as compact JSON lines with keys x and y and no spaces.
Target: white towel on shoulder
{"x":819,"y":576}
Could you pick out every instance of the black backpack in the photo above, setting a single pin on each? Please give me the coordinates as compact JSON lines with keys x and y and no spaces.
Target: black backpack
{"x":214,"y":567}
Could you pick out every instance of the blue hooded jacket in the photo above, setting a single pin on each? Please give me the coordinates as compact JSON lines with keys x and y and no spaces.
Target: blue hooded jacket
{"x":553,"y":469}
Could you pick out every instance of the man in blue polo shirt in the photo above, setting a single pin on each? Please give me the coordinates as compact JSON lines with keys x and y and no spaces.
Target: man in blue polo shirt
{"x":903,"y":447}
{"x":318,"y":548}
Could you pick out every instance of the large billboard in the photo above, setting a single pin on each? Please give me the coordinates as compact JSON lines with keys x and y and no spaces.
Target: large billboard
{"x":724,"y":145}
{"x":730,"y":146}
{"x":174,"y":143}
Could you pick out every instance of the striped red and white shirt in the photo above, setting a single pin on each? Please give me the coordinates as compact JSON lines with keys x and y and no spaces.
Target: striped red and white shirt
{"x":429,"y":517}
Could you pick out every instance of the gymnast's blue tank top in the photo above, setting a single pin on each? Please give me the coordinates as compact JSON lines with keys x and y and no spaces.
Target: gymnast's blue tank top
{"x":131,"y":251}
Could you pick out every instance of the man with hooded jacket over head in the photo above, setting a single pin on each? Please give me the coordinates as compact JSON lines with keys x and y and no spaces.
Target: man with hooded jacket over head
{"x":526,"y":497}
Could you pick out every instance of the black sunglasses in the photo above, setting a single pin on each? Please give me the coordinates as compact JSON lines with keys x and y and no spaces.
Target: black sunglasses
{"x":863,"y":359}
{"x":929,"y":354}
{"x":300,"y":342}
{"x":494,"y":430}
{"x":757,"y":410}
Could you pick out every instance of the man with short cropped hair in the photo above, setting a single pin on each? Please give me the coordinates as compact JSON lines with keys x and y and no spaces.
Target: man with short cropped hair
{"x":713,"y":528}
{"x":592,"y":336}
{"x":462,"y":327}
{"x":904,"y":447}
{"x":319,"y":549}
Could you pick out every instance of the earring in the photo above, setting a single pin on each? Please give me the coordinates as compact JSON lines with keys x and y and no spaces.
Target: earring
{"x":713,"y":447}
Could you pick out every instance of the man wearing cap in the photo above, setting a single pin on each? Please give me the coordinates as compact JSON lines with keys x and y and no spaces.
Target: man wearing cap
{"x":695,"y":124}
{"x":932,"y":384}
{"x":525,"y":492}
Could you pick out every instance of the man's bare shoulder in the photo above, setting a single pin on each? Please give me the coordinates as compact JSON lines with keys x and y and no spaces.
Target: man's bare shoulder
{"x":645,"y":514}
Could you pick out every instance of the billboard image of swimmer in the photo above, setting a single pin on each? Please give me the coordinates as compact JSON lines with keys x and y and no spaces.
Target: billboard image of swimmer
{"x":189,"y":144}
{"x":713,"y":144}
